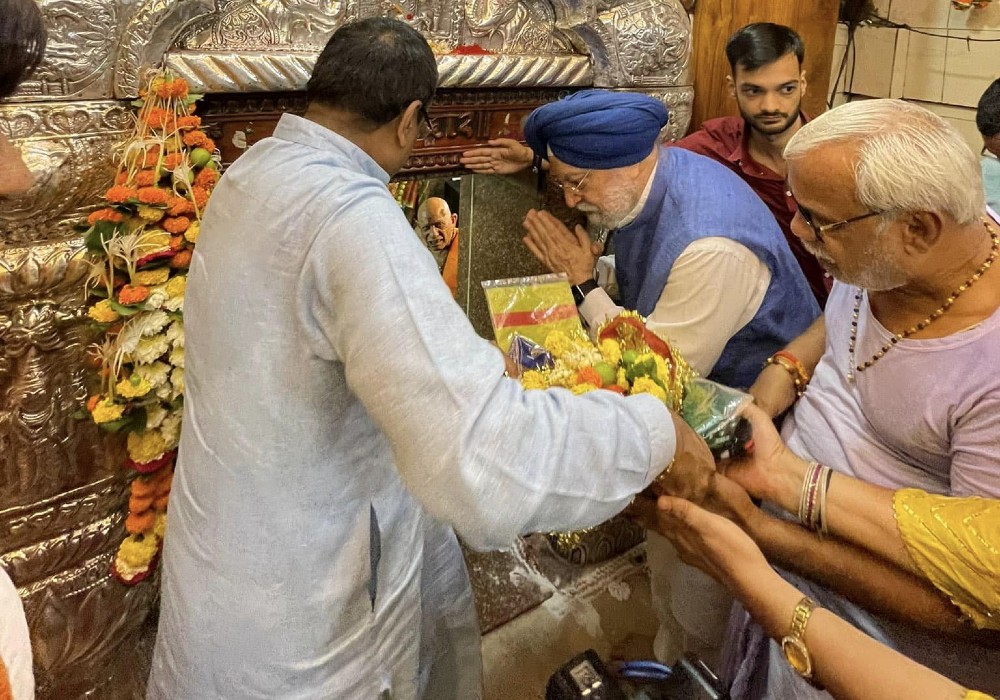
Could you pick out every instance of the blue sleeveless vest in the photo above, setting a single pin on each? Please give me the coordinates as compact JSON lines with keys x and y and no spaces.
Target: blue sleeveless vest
{"x":694,"y":197}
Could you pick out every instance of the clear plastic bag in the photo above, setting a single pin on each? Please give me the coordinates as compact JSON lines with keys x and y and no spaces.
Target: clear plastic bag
{"x":715,"y":413}
{"x":531,"y":307}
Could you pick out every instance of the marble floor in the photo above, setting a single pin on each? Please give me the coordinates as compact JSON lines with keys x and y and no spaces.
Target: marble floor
{"x":606,"y":606}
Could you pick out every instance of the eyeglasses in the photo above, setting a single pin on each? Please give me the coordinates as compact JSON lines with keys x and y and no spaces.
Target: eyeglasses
{"x":425,"y":128}
{"x":818,"y":230}
{"x":574,"y":187}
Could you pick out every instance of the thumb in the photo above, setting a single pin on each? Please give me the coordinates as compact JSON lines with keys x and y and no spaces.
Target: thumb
{"x":754,"y":413}
{"x":682,"y":512}
{"x":674,"y":507}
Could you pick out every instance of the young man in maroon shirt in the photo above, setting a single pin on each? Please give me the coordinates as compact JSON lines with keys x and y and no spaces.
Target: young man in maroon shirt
{"x":768,"y":83}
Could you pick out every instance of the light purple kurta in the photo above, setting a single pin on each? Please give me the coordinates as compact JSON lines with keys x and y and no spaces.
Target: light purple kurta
{"x":339,"y":409}
{"x":926,"y":415}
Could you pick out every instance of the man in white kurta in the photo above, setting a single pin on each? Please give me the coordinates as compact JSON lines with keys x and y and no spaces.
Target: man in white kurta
{"x":310,"y":551}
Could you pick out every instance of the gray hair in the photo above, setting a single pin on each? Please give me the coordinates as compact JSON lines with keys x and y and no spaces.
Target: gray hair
{"x":909,"y":159}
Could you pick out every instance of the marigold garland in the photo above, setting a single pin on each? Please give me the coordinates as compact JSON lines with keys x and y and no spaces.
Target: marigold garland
{"x":141,"y":240}
{"x":628,"y":359}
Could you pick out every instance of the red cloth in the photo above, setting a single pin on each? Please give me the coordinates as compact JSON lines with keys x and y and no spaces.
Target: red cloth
{"x":725,"y":140}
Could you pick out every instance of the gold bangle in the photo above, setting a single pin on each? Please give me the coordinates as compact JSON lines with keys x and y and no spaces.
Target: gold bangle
{"x":663,"y":475}
{"x":795,"y":370}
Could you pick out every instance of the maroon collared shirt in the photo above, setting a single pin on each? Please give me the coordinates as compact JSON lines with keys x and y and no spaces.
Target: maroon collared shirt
{"x":726,"y":141}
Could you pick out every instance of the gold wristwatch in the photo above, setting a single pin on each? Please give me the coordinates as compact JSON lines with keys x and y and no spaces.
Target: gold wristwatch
{"x":793,"y":646}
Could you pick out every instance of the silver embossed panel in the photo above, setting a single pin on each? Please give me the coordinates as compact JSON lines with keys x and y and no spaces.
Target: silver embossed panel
{"x":68,"y":147}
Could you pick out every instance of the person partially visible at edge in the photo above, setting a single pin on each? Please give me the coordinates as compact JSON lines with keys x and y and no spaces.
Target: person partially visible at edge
{"x":695,"y":251}
{"x":901,"y":388}
{"x":952,"y":542}
{"x":311,"y":550}
{"x":988,"y":123}
{"x":22,"y":46}
{"x":438,"y":226}
{"x":768,"y":83}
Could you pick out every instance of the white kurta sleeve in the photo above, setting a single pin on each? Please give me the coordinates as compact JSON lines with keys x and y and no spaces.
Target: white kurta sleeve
{"x":475,"y":449}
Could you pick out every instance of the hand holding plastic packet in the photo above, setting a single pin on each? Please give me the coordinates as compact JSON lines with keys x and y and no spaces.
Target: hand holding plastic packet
{"x":535,"y":322}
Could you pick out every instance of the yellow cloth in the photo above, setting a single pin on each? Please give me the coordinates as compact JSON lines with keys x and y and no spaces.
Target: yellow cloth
{"x":976,"y":695}
{"x":955,"y":542}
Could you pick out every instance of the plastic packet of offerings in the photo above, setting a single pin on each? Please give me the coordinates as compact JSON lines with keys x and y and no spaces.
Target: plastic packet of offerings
{"x":714,"y":411}
{"x":531,"y":307}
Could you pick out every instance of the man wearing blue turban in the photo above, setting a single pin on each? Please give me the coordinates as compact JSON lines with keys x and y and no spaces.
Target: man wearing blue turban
{"x":696,"y":252}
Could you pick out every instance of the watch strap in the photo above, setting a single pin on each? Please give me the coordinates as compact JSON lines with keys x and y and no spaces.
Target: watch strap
{"x":580,"y":291}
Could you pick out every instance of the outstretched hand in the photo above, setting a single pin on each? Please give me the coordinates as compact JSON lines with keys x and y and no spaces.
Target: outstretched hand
{"x":560,"y":249}
{"x":772,"y":471}
{"x":709,"y":542}
{"x":499,"y":157}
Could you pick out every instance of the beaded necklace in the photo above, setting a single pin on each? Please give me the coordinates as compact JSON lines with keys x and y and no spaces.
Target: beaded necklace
{"x":938,"y":313}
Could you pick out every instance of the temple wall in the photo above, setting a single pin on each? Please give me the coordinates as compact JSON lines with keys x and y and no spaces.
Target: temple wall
{"x":944,"y":72}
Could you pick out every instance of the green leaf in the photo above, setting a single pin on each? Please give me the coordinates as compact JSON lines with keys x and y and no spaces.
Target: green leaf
{"x":138,"y":103}
{"x":99,"y":234}
{"x":124,"y":310}
{"x":114,"y":426}
{"x":646,"y":368}
{"x":139,"y":418}
{"x":133,"y":421}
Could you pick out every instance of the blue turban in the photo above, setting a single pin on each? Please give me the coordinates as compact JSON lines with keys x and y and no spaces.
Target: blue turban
{"x":597,"y":129}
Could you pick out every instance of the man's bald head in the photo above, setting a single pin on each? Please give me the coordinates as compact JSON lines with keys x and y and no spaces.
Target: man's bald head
{"x":436,"y":223}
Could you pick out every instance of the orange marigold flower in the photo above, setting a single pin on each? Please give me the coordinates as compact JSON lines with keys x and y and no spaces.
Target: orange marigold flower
{"x":176,"y":242}
{"x":589,"y":375}
{"x":179,"y":88}
{"x":200,"y":196}
{"x":106,"y":214}
{"x":145,"y":487}
{"x":140,"y":522}
{"x":121,"y":178}
{"x":208,"y":144}
{"x":172,"y":160}
{"x":157,"y":117}
{"x":163,"y":88}
{"x":195,"y":138}
{"x":176,"y":224}
{"x":207,"y":178}
{"x":181,"y":260}
{"x":177,"y":206}
{"x":151,"y":158}
{"x":164,"y":482}
{"x":92,"y":402}
{"x":152,"y":195}
{"x":146,"y":178}
{"x":139,"y":504}
{"x":133,"y":294}
{"x":120,"y":193}
{"x":189,"y":122}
